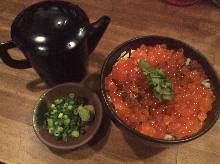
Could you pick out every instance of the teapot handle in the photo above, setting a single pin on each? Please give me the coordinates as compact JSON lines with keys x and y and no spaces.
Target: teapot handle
{"x":8,"y":60}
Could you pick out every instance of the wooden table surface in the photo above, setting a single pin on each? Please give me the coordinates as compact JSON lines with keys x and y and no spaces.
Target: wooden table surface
{"x":198,"y":25}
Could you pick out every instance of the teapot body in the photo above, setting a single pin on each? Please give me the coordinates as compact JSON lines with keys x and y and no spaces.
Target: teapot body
{"x":64,"y":66}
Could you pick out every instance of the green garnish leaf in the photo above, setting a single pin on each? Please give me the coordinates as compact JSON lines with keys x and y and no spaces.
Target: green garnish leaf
{"x":167,"y":97}
{"x":161,"y":83}
{"x":143,"y":65}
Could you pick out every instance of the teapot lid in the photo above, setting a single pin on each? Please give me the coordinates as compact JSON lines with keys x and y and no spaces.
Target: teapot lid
{"x":50,"y":26}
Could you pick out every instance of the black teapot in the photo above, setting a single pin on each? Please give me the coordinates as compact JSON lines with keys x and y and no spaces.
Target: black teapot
{"x":56,"y":38}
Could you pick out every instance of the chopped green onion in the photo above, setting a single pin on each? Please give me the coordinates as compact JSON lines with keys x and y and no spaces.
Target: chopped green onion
{"x":53,"y":106}
{"x":58,"y":101}
{"x":75,"y":133}
{"x":50,"y":122}
{"x":51,"y":130}
{"x":67,"y":116}
{"x":72,"y":95}
{"x":69,"y":107}
{"x":59,"y":129}
{"x":60,"y":115}
{"x":66,"y":121}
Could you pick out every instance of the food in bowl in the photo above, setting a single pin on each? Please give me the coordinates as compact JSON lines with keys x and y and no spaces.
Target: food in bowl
{"x":159,"y":92}
{"x":67,"y":115}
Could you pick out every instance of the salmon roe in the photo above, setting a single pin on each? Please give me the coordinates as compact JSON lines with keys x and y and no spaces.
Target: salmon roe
{"x":135,"y":103}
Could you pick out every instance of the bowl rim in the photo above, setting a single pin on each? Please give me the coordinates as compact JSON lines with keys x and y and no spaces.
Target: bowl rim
{"x":117,"y":119}
{"x":67,"y":147}
{"x":172,"y":2}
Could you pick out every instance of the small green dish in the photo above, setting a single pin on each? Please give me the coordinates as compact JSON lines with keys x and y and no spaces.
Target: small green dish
{"x":41,"y":108}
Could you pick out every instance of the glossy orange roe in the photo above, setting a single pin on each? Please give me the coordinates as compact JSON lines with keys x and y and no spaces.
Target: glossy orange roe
{"x":136,"y":104}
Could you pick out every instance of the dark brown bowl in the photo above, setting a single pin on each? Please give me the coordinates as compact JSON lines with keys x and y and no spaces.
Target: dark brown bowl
{"x":41,"y":108}
{"x":188,"y":52}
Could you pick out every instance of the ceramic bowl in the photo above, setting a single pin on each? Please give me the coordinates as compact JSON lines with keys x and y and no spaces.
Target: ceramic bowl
{"x":173,"y":44}
{"x":41,"y":108}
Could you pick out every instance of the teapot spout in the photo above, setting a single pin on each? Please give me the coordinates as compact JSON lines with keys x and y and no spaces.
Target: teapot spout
{"x":97,"y":30}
